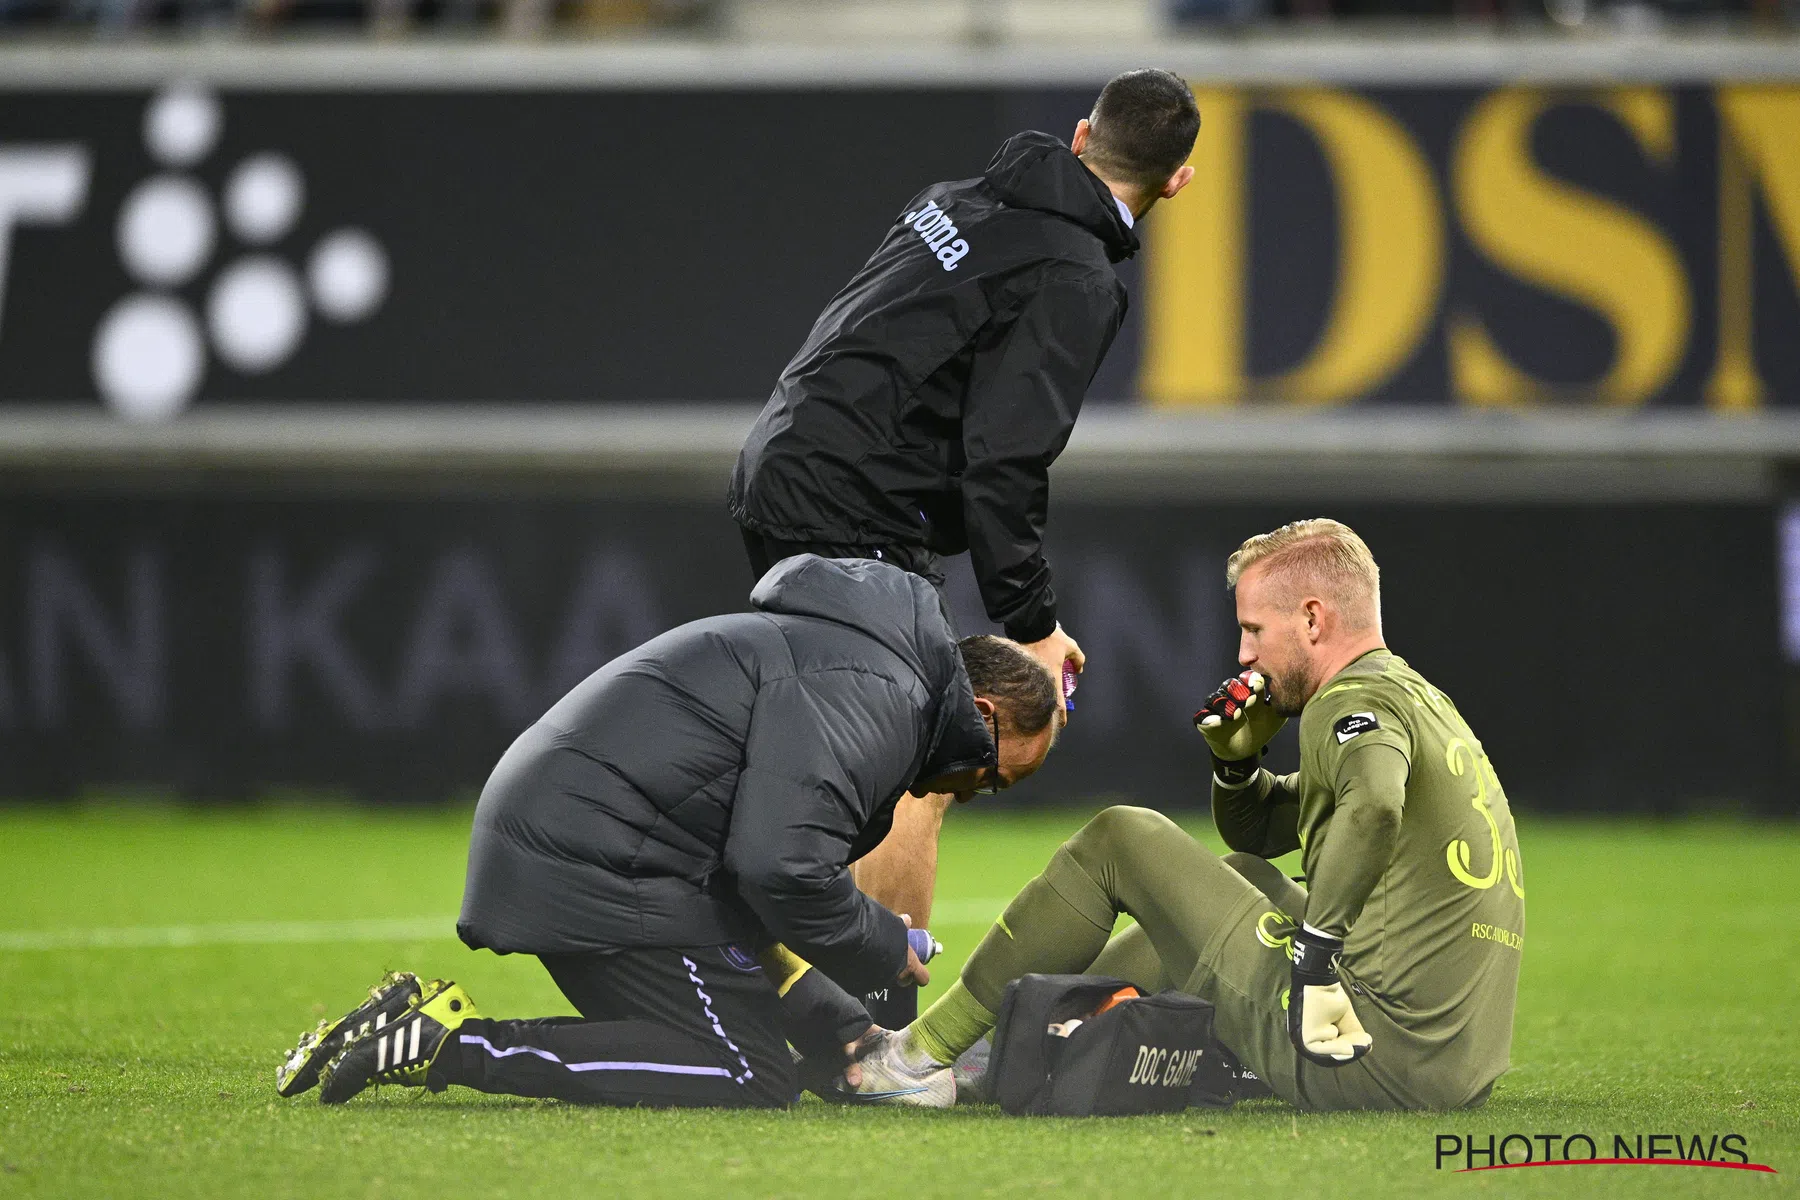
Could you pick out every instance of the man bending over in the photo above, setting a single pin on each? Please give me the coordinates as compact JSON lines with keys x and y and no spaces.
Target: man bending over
{"x":1389,"y":981}
{"x":676,"y":832}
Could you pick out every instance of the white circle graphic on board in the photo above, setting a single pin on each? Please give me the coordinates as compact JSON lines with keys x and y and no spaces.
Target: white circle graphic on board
{"x":182,"y":125}
{"x":348,"y":274}
{"x":148,"y":357}
{"x":263,"y":198}
{"x":166,"y":230}
{"x":256,"y":313}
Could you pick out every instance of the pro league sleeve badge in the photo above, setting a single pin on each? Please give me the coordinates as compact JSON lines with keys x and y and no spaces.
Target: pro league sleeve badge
{"x":1353,"y":724}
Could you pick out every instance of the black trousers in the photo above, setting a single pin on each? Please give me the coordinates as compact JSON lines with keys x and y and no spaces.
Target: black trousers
{"x":696,"y":1027}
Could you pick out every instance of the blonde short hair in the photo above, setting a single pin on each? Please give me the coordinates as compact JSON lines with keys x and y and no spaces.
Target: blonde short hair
{"x":1320,"y":554}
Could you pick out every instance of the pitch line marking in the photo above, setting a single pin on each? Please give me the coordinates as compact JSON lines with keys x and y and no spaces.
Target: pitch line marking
{"x":274,"y":933}
{"x":968,"y":912}
{"x":233,"y":933}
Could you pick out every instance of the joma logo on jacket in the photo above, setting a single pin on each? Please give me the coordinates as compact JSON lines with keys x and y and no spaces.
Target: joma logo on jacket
{"x":933,"y":225}
{"x":927,"y":403}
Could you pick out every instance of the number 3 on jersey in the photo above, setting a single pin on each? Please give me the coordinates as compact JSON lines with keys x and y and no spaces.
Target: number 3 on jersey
{"x":1461,"y":760}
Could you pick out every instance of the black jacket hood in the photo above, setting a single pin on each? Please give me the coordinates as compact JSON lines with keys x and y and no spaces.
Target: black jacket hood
{"x":1035,"y":170}
{"x":903,"y":613}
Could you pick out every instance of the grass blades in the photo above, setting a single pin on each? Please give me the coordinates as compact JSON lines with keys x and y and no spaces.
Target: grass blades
{"x":1660,"y":981}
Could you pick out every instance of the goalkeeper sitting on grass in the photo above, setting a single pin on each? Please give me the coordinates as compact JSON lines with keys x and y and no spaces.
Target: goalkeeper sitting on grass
{"x":1389,"y":981}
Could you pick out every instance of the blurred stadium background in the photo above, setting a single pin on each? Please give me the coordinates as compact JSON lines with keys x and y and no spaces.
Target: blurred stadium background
{"x":371,"y":371}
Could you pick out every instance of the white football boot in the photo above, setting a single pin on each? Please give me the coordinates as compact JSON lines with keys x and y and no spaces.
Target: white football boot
{"x":894,"y":1071}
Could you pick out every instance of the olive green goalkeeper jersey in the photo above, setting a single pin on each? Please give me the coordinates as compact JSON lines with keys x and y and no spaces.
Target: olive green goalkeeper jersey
{"x":1433,"y":910}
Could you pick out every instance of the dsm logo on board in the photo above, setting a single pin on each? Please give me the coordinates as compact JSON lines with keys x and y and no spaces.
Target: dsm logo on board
{"x":1509,"y":247}
{"x":150,"y":350}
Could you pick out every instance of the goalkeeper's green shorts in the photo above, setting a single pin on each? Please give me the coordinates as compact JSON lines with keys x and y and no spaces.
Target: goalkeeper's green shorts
{"x":1243,"y":969}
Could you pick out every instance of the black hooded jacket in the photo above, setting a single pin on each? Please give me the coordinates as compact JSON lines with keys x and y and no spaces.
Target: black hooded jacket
{"x":714,"y":784}
{"x":937,"y":388}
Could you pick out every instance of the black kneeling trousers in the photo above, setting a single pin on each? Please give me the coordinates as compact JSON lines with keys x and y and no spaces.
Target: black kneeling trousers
{"x":695,"y":1026}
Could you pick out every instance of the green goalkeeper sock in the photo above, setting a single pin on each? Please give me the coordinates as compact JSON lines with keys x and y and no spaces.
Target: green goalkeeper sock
{"x":954,"y":1022}
{"x":1057,"y":925}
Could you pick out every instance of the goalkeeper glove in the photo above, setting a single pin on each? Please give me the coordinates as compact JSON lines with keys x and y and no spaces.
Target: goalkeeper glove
{"x":1321,"y":1023}
{"x":1237,"y":721}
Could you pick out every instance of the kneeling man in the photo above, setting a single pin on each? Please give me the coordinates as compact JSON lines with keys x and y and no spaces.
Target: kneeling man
{"x":1389,"y":981}
{"x":672,"y":840}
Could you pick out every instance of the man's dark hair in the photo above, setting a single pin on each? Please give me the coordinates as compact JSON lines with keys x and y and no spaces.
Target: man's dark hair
{"x":1142,"y":128}
{"x":1024,"y":695}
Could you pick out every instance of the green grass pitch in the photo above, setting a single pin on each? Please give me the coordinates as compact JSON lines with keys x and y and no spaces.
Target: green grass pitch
{"x":1661,"y":988}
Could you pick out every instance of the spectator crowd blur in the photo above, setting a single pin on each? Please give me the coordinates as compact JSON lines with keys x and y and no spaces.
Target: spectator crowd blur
{"x":375,"y":16}
{"x":1626,"y":14}
{"x":530,"y":17}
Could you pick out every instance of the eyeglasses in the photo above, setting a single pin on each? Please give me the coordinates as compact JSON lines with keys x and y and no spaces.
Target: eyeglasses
{"x":992,"y":784}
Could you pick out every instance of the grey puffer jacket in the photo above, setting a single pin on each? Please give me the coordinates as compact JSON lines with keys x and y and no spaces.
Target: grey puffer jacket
{"x":714,"y":784}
